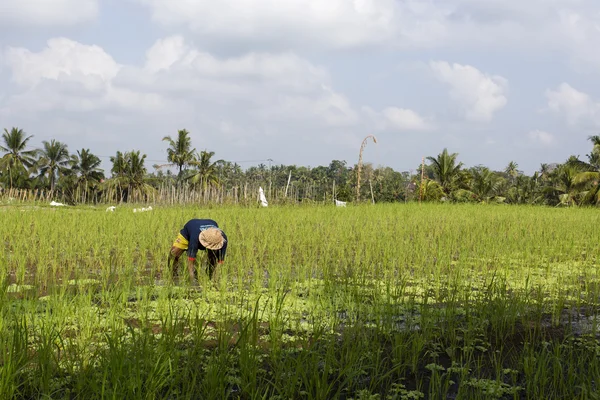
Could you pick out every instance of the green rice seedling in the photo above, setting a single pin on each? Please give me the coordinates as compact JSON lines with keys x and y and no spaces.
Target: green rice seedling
{"x":395,"y":301}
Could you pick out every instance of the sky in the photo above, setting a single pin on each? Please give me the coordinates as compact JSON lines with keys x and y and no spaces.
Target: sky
{"x":305,"y":81}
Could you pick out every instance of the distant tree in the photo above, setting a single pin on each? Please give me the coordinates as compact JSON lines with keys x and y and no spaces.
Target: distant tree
{"x":136,"y":170}
{"x":129,"y":174}
{"x":588,"y":180}
{"x":180,"y":150}
{"x":16,"y":159}
{"x":389,"y":185}
{"x":339,"y":171}
{"x":430,"y":190}
{"x":594,"y":156}
{"x":484,"y":181}
{"x":87,"y":167}
{"x":544,"y":171}
{"x":512,"y":170}
{"x":119,"y":165}
{"x":53,"y":160}
{"x":205,"y":170}
{"x":564,"y":182}
{"x":446,"y":170}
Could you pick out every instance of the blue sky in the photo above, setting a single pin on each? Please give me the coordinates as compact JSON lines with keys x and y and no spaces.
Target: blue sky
{"x":304,"y":81}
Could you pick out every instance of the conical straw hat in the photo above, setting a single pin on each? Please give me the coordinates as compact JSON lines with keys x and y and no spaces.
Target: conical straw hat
{"x":212,"y":239}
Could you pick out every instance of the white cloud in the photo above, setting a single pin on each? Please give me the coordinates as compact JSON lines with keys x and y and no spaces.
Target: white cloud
{"x":480,"y":95}
{"x":577,"y":107}
{"x":570,"y":26}
{"x":71,"y":76}
{"x":164,"y":53}
{"x":338,"y":23}
{"x":62,"y":59}
{"x":397,"y":119}
{"x":47,"y":12}
{"x":173,"y":65}
{"x":542,"y":137}
{"x":68,"y":75}
{"x":249,"y":106}
{"x":581,"y":35}
{"x":404,"y":119}
{"x":333,"y":108}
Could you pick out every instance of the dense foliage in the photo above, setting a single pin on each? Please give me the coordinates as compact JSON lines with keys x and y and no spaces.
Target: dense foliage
{"x":78,"y":179}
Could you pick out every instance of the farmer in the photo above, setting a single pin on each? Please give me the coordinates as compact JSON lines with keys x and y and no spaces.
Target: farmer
{"x":199,"y":234}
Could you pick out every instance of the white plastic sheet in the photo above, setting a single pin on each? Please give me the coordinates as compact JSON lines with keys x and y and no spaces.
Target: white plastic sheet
{"x":263,"y":199}
{"x":340,"y":203}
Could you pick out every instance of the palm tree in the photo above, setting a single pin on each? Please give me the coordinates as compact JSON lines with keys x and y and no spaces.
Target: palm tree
{"x":206,"y":171}
{"x":544,"y":171}
{"x":588,"y":180}
{"x":483,"y":184}
{"x":129,"y":174}
{"x":136,"y":171}
{"x":564,"y":182}
{"x":180,"y":151}
{"x":87,"y":166}
{"x":445,"y":170}
{"x":512,"y":171}
{"x":16,"y":158}
{"x":595,"y":139}
{"x":118,"y":171}
{"x":119,"y":165}
{"x":54,"y":160}
{"x":431,"y":190}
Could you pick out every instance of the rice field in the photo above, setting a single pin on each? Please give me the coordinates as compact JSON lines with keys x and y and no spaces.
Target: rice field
{"x":401,"y":301}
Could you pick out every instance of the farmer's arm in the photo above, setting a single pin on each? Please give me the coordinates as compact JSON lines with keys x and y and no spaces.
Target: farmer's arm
{"x":191,"y":269}
{"x":214,"y":257}
{"x":192,"y":253}
{"x":213,"y":261}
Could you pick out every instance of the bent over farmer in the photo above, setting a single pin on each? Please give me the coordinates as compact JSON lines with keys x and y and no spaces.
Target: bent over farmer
{"x":199,"y":234}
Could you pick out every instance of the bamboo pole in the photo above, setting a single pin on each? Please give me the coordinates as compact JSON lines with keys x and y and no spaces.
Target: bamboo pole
{"x":360,"y":162}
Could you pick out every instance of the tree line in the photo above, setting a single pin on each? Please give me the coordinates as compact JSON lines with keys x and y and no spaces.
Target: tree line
{"x":77,"y":178}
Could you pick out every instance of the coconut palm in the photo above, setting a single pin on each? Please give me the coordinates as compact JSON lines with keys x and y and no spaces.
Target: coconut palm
{"x":180,"y":151}
{"x":129,"y":174}
{"x":430,"y":190}
{"x":544,"y":171}
{"x":595,"y":139}
{"x":564,"y":182}
{"x":119,"y":165}
{"x":16,"y":158}
{"x":87,"y":166}
{"x":527,"y":190}
{"x":588,"y":180}
{"x":136,"y":171}
{"x":512,"y":171}
{"x":206,"y":171}
{"x":445,"y":170}
{"x":54,"y":160}
{"x":484,"y":183}
{"x":118,"y":171}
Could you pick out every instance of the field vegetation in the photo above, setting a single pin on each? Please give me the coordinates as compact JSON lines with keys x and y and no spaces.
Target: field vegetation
{"x":188,"y":176}
{"x":392,"y":301}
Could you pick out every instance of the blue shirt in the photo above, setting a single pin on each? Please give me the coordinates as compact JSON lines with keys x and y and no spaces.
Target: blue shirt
{"x":191,"y":231}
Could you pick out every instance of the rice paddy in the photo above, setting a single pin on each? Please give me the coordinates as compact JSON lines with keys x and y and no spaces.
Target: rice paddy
{"x":313,"y":302}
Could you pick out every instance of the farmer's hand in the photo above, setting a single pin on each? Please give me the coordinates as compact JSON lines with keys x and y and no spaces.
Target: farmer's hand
{"x":192,"y":271}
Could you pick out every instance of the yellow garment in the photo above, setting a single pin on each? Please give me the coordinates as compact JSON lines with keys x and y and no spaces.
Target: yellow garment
{"x":181,"y":242}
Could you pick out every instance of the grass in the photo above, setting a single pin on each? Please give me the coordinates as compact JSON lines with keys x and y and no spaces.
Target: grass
{"x":370,"y":302}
